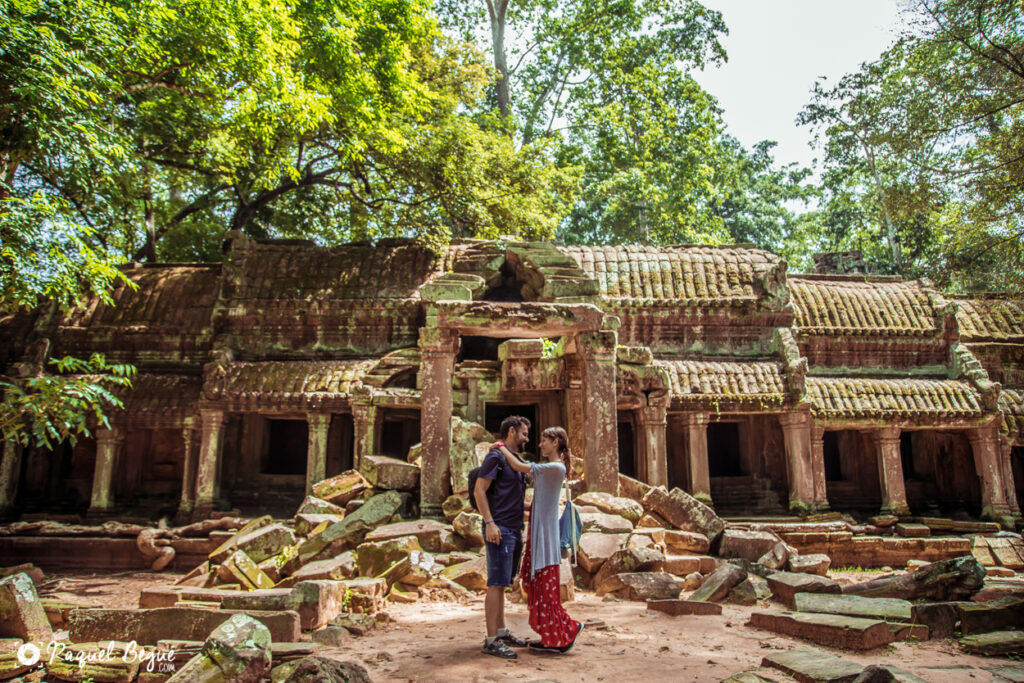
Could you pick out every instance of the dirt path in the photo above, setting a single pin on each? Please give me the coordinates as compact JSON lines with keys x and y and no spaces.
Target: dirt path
{"x":441,"y":641}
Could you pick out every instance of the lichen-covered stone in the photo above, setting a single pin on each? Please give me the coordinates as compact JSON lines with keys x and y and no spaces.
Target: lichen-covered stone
{"x":390,"y":473}
{"x":322,"y":670}
{"x":238,"y":649}
{"x":342,"y":488}
{"x":718,"y":583}
{"x":612,"y":505}
{"x":684,"y":512}
{"x":471,"y":575}
{"x":604,"y":523}
{"x":227,"y":547}
{"x":311,"y":505}
{"x":469,"y":525}
{"x":454,"y":505}
{"x":21,"y":613}
{"x":429,"y":532}
{"x":641,"y":586}
{"x":595,"y":549}
{"x":628,"y":560}
{"x":374,"y":558}
{"x":462,"y":457}
{"x":745,"y":544}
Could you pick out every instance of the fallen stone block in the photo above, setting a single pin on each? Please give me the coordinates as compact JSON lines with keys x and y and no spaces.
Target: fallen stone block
{"x":342,"y":488}
{"x":1004,"y":614}
{"x":390,"y":473}
{"x":599,"y":522}
{"x":683,"y":565}
{"x":224,"y":550}
{"x":335,"y":569}
{"x":745,"y":544}
{"x":612,"y":505}
{"x":266,"y":541}
{"x":633,"y":488}
{"x":628,"y":560}
{"x":749,"y":591}
{"x":777,"y":558}
{"x":915,"y":633}
{"x":684,"y":512}
{"x":911,"y":530}
{"x":471,"y":575}
{"x":785,"y":586}
{"x":999,"y":572}
{"x":995,"y":589}
{"x":760,"y":675}
{"x":21,"y":612}
{"x":982,"y":553}
{"x":366,"y":596}
{"x":941,"y":618}
{"x":169,"y":596}
{"x":1005,"y":553}
{"x":327,"y":671}
{"x":685,"y":542}
{"x":311,"y":505}
{"x":453,"y":505}
{"x":10,"y":667}
{"x":651,"y":520}
{"x":245,"y":571}
{"x":832,"y":630}
{"x":719,"y":582}
{"x":33,"y":572}
{"x":374,"y":558}
{"x":815,"y":563}
{"x":678,"y":608}
{"x":995,"y":643}
{"x":307,"y":523}
{"x":888,"y":609}
{"x":148,"y":626}
{"x":331,"y":636}
{"x":596,"y":548}
{"x":641,"y":586}
{"x":809,"y":665}
{"x":955,"y":579}
{"x":347,"y":533}
{"x":469,"y":525}
{"x":238,"y":650}
{"x":429,"y":532}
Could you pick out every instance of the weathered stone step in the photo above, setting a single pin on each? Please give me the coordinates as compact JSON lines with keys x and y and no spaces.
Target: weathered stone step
{"x":785,"y":585}
{"x":684,"y":607}
{"x":888,"y":609}
{"x":999,"y":615}
{"x":809,"y":665}
{"x":147,"y":626}
{"x":760,"y":675}
{"x":995,"y":643}
{"x":851,"y":633}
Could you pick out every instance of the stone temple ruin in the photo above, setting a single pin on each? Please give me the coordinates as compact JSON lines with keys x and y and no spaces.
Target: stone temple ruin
{"x":704,"y":368}
{"x":308,"y":416}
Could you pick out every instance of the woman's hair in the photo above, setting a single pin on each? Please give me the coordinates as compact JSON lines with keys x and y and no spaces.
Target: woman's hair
{"x":561,"y":439}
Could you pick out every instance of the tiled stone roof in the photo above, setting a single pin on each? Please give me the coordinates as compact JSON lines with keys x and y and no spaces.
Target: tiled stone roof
{"x":390,"y":270}
{"x":284,"y":380}
{"x":855,"y":306}
{"x":730,"y":380}
{"x":854,"y":397}
{"x":1011,"y":404}
{"x":175,"y":298}
{"x":990,"y":318}
{"x":159,"y":393}
{"x":714,"y":274}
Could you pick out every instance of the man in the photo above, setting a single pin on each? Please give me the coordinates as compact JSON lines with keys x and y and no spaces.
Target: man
{"x":499,"y":493}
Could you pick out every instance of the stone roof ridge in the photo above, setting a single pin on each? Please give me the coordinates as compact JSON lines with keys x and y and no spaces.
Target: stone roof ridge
{"x":990,"y":317}
{"x":848,"y":277}
{"x":857,"y":306}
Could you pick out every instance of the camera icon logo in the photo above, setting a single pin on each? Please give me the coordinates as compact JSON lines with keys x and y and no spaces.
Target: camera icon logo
{"x":28,"y":654}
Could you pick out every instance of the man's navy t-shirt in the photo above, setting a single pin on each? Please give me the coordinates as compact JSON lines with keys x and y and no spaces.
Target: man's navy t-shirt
{"x":506,"y":492}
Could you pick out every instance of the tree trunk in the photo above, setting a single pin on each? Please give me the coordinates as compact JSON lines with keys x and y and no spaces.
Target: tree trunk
{"x":955,"y":579}
{"x":496,"y":12}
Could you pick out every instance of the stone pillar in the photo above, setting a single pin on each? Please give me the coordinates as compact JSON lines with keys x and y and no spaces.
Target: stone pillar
{"x":108,"y":442}
{"x":316,"y":450}
{"x":600,"y":428}
{"x":653,"y":424}
{"x":365,"y":421}
{"x":985,"y":444}
{"x":574,"y":413}
{"x":10,"y":472}
{"x":188,"y":476}
{"x":818,"y":467}
{"x":1009,"y":483}
{"x":796,"y":433}
{"x":890,"y":471}
{"x":437,"y":365}
{"x":697,"y":453}
{"x":208,"y":469}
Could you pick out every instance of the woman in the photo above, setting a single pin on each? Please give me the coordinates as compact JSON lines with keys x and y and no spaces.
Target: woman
{"x":542,"y":558}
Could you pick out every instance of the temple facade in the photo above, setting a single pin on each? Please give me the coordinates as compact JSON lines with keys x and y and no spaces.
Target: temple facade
{"x":708,"y":368}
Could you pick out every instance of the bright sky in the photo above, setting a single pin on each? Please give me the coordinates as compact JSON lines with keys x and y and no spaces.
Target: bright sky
{"x":777,"y":48}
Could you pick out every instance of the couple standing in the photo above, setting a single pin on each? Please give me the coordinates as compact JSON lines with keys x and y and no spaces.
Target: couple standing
{"x":500,"y":492}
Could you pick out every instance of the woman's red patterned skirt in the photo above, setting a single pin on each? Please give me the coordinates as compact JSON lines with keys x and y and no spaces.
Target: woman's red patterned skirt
{"x":547,"y":616}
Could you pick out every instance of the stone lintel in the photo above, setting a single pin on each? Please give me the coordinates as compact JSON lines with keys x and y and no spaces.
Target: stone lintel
{"x":520,"y":319}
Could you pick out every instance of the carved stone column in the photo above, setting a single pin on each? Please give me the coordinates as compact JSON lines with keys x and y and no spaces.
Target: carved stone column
{"x":818,"y":467}
{"x":796,"y":433}
{"x":365,"y":427}
{"x":208,"y":469}
{"x":316,"y":449}
{"x":890,"y":471}
{"x":108,"y":443}
{"x":653,"y":426}
{"x":600,"y":429}
{"x":985,"y":444}
{"x":1009,"y":483}
{"x":188,"y":475}
{"x":437,"y":365}
{"x":10,"y":472}
{"x":697,"y":454}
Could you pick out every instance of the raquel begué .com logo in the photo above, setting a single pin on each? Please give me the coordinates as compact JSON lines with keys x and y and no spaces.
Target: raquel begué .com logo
{"x":30,"y":654}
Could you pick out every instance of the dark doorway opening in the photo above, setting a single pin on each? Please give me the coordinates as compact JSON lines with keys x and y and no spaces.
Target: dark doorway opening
{"x":494,"y":413}
{"x":1017,"y":465}
{"x":478,"y":348}
{"x":509,"y":288}
{"x":907,"y":455}
{"x":340,"y":445}
{"x":400,"y":429}
{"x":724,"y":450}
{"x":627,"y":448}
{"x":287,"y":441}
{"x":830,"y":451}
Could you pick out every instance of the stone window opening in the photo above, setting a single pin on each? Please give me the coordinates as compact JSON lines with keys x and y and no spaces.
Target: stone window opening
{"x":478,"y":348}
{"x":285,"y":447}
{"x":508,"y":287}
{"x":833,"y":460}
{"x":400,"y":430}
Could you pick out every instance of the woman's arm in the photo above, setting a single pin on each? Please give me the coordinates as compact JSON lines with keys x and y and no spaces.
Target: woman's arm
{"x":512,"y":459}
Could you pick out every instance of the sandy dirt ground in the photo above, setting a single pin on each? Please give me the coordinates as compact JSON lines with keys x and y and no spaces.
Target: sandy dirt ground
{"x":623,"y":641}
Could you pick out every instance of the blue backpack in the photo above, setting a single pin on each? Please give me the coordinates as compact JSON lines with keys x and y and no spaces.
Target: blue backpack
{"x":570,"y":528}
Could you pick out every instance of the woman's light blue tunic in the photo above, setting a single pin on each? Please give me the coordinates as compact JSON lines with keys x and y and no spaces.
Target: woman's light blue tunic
{"x":544,"y":538}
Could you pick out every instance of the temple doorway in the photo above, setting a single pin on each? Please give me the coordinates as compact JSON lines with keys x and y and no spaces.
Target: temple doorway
{"x":851,"y":471}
